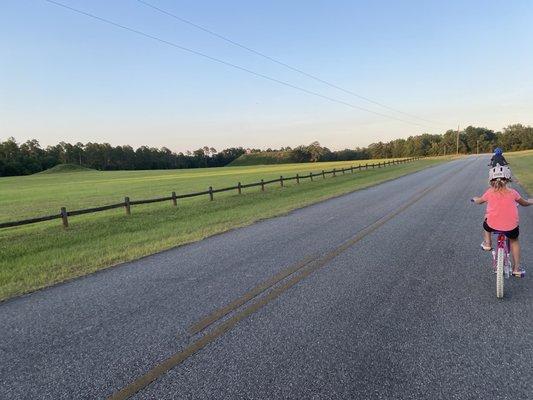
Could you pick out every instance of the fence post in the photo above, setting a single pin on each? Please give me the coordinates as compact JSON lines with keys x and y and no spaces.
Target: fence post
{"x":281,"y":180}
{"x":366,"y":166}
{"x":127,"y":205}
{"x":343,"y":171}
{"x":262,"y":185}
{"x":64,"y":217}
{"x":351,"y":169}
{"x":174,"y":199}
{"x":323,"y":174}
{"x":311,"y":176}
{"x":334,"y":172}
{"x":239,"y":188}
{"x":211,"y":193}
{"x":297,"y":179}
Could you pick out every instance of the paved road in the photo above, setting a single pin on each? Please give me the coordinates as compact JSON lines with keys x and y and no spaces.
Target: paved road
{"x":379,"y":294}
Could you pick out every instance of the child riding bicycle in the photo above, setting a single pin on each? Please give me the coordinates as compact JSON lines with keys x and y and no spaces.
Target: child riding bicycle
{"x":498,"y":158}
{"x":502,"y":213}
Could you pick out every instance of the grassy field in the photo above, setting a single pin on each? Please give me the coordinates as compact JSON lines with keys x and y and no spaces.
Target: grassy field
{"x":522,"y":166}
{"x":45,"y":193}
{"x":39,"y":255}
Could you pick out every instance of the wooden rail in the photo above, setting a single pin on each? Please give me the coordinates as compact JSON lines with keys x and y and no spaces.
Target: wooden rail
{"x":127,"y":203}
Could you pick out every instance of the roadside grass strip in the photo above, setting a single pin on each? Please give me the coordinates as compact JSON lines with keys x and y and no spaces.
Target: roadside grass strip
{"x":522,"y":166}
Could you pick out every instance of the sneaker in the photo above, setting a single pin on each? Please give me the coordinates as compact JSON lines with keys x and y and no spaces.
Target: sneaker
{"x":485,"y":247}
{"x":520,"y":273}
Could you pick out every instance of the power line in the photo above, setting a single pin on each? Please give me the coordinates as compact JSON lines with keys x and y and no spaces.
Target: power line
{"x":218,"y":60}
{"x":233,"y":42}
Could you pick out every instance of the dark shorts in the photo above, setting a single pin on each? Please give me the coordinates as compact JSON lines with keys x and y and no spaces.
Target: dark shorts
{"x":510,"y":234}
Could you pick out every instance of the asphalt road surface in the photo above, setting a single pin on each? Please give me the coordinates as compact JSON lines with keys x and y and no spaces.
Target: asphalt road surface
{"x":383,"y":293}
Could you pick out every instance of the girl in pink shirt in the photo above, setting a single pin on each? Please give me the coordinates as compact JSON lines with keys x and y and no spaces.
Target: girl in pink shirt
{"x":502,"y":216}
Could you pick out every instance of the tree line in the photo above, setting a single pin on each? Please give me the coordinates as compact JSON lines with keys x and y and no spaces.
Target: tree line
{"x":471,"y":140}
{"x":30,"y":157}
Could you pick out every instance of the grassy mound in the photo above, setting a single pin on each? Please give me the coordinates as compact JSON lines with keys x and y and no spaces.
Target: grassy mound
{"x":263,"y":158}
{"x":62,"y":168}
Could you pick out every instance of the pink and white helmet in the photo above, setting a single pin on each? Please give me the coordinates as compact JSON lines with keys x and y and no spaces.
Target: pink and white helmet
{"x":500,"y":172}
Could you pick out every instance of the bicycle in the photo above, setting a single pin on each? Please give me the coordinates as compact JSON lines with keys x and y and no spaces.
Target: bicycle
{"x":501,"y":260}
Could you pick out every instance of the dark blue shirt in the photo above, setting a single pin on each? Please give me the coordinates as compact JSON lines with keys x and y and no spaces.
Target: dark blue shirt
{"x":498,"y":159}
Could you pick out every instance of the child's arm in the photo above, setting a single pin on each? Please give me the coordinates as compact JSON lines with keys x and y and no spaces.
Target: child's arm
{"x":478,"y":200}
{"x":524,"y":202}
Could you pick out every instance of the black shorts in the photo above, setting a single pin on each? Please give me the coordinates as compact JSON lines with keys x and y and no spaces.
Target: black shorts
{"x":510,"y":234}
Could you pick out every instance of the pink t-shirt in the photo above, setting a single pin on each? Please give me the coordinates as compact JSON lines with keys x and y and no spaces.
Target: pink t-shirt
{"x":502,"y":209}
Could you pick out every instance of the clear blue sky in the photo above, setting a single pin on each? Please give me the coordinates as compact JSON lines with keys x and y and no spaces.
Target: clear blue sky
{"x":67,"y":77}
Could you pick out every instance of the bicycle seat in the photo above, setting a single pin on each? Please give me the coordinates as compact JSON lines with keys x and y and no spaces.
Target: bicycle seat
{"x":498,"y":233}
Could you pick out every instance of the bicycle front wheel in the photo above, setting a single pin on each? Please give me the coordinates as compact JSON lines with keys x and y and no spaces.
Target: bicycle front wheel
{"x":499,"y":273}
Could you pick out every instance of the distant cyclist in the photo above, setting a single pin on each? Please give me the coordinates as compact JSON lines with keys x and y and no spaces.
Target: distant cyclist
{"x":498,"y":158}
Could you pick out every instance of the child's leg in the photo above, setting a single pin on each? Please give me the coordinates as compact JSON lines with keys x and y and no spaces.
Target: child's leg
{"x":487,"y":239}
{"x":515,"y":251}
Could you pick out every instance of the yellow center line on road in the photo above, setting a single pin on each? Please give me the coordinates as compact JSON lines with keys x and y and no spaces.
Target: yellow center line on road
{"x":306,"y":268}
{"x":256,"y":291}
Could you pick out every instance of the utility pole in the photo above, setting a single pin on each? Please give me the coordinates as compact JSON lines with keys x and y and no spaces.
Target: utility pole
{"x":477,"y":146}
{"x":444,"y":150}
{"x":457,"y":152}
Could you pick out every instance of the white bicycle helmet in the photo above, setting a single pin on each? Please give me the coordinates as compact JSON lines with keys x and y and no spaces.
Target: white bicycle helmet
{"x":500,"y":172}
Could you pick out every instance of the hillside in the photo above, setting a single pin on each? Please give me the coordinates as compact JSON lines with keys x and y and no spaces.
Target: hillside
{"x":62,"y":168}
{"x":263,"y":158}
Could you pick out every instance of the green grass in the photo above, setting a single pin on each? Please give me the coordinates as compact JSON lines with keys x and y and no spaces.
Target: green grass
{"x":263,"y":158}
{"x":43,"y":194}
{"x":522,"y":166}
{"x":39,"y":255}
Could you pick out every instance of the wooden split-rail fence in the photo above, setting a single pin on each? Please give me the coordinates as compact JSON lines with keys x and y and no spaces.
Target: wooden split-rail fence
{"x":64,"y":214}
